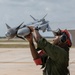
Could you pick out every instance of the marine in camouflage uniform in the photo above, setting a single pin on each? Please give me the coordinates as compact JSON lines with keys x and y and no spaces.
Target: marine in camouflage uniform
{"x":54,"y":58}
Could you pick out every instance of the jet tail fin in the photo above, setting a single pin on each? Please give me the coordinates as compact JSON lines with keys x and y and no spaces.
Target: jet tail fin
{"x":44,"y":16}
{"x":8,"y":27}
{"x":32,"y":17}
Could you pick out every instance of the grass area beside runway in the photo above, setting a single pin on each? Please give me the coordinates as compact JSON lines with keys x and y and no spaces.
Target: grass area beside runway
{"x":12,"y":40}
{"x":14,"y":45}
{"x":3,"y":43}
{"x":18,"y":40}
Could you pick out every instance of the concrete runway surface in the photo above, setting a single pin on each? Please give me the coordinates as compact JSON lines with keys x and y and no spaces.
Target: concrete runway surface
{"x":18,"y":61}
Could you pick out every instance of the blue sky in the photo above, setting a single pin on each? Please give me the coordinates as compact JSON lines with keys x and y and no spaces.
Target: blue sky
{"x":61,"y":13}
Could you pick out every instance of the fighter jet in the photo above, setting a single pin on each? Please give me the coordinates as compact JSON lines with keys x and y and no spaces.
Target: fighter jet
{"x":22,"y":30}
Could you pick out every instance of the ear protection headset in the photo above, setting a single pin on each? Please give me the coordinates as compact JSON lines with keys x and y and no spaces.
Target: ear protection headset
{"x":64,"y":36}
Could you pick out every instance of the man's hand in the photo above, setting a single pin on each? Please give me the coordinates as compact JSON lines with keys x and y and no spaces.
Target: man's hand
{"x":31,"y":28}
{"x":29,"y":38}
{"x":34,"y":33}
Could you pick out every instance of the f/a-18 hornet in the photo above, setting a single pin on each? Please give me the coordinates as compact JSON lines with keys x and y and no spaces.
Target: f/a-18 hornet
{"x":22,"y":30}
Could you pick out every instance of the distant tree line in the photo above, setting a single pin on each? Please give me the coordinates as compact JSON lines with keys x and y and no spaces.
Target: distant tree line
{"x":2,"y":37}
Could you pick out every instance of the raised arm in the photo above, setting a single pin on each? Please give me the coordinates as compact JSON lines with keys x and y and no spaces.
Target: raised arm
{"x":32,"y":46}
{"x":52,"y":50}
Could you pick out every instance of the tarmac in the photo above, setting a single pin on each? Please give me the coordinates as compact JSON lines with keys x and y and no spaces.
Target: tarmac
{"x":18,"y":61}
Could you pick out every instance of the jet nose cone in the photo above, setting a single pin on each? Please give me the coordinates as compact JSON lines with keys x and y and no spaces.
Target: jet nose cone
{"x":7,"y":34}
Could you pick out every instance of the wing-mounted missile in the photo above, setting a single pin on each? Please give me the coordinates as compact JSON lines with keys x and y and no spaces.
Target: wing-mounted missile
{"x":12,"y":32}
